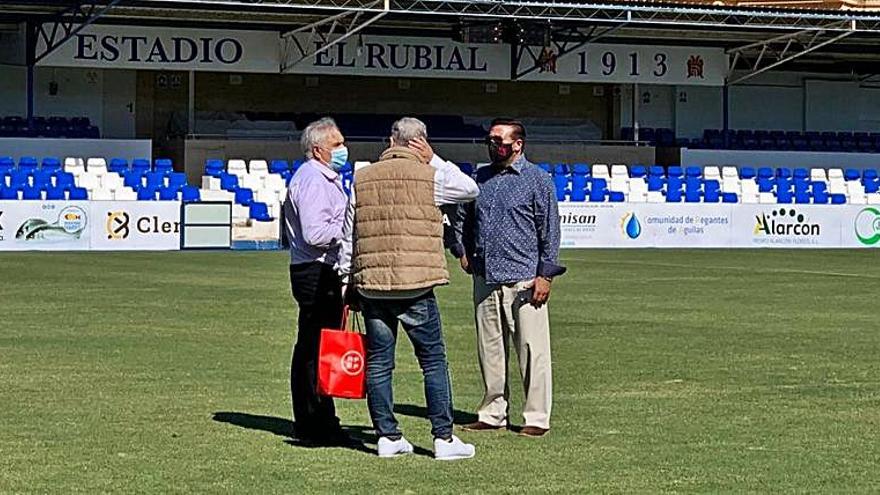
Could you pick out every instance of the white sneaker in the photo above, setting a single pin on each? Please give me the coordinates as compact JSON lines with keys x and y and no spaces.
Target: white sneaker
{"x":391,"y":448}
{"x":452,"y":450}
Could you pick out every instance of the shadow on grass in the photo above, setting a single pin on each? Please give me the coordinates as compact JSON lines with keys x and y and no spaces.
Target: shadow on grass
{"x":458,"y":417}
{"x":285,"y":428}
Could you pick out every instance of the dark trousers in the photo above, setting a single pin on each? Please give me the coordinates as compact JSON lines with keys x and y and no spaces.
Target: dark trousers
{"x":318,"y":293}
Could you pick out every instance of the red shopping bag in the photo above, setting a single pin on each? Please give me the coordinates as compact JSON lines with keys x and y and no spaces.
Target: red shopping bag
{"x":342,"y":362}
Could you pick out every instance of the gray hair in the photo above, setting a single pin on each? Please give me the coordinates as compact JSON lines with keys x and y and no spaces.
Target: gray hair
{"x":315,"y":134}
{"x":408,"y":129}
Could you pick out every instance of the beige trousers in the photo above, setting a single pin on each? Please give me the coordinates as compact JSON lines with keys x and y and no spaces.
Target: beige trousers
{"x":503,"y":314}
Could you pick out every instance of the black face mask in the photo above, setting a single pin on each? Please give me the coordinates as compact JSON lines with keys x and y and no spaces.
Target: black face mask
{"x":499,"y":152}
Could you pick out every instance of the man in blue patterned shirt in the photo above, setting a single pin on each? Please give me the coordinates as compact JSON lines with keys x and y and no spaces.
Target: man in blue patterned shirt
{"x":511,"y":239}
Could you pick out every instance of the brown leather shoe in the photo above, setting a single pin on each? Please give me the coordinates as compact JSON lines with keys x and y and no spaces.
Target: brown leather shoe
{"x":533,"y":431}
{"x":480,"y":426}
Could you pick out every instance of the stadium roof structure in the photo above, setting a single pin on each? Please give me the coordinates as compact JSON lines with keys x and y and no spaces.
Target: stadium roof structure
{"x":758,"y":35}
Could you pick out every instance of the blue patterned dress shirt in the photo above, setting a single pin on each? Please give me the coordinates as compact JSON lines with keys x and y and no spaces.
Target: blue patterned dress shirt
{"x":511,"y":232}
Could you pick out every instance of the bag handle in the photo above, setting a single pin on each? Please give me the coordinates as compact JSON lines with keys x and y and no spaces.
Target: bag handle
{"x":345,"y":311}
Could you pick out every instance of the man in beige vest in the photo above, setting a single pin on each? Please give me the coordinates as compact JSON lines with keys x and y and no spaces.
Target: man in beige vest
{"x":392,"y":254}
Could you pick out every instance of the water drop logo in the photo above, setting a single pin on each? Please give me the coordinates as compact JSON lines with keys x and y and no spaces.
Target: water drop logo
{"x":631,"y":226}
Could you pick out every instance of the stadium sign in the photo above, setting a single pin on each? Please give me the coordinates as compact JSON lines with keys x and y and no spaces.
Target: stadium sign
{"x":608,"y":63}
{"x":132,"y":47}
{"x":404,"y":57}
{"x":141,"y":225}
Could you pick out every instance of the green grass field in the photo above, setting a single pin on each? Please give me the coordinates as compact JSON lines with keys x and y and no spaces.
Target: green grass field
{"x":675,"y":371}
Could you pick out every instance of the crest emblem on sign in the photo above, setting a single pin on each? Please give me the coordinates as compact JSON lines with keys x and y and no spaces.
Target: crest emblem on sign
{"x":547,"y":61}
{"x":695,"y":66}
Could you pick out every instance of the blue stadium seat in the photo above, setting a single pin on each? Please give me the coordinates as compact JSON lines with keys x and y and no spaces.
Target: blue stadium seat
{"x":578,"y":195}
{"x":51,"y":164}
{"x":638,"y":171}
{"x":580,"y":169}
{"x":545,"y":167}
{"x":675,"y":172}
{"x":275,"y":166}
{"x":869,"y":174}
{"x":784,"y":196}
{"x":55,"y":194}
{"x":851,"y":174}
{"x":692,"y":196}
{"x":729,"y":198}
{"x":176,"y":180}
{"x":42,"y":179}
{"x":821,"y":198}
{"x":765,"y":184}
{"x":872,"y":185}
{"x":616,"y":197}
{"x":694,"y":172}
{"x":784,"y":173}
{"x":28,"y":163}
{"x":190,"y":194}
{"x":747,"y":173}
{"x":31,"y":193}
{"x":802,"y":197}
{"x":560,"y":169}
{"x":7,"y":163}
{"x":579,"y":181}
{"x":78,"y":193}
{"x":838,"y":199}
{"x":19,"y":178}
{"x":765,"y":173}
{"x":8,"y":193}
{"x":657,"y":171}
{"x":163,"y":165}
{"x":466,"y":168}
{"x":244,"y":196}
{"x":598,"y":190}
{"x":561,"y":181}
{"x":146,"y":194}
{"x":214,"y":167}
{"x":561,"y":193}
{"x":118,"y":165}
{"x":673,"y":196}
{"x":296,"y":165}
{"x":712,"y":196}
{"x":168,"y":194}
{"x":134,"y":179}
{"x":141,"y":164}
{"x":155,"y":180}
{"x":228,"y":182}
{"x":655,"y":183}
{"x":259,"y":212}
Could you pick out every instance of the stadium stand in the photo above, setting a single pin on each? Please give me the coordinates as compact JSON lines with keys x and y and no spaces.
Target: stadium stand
{"x":48,"y":127}
{"x":774,"y":140}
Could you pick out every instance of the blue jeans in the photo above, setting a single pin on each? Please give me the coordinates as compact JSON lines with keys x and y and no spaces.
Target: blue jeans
{"x":420,"y":318}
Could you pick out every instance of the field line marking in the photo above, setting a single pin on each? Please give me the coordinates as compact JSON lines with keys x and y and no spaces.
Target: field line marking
{"x":730,"y":268}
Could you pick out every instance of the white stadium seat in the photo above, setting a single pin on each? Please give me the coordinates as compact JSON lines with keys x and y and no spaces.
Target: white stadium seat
{"x":749,"y":191}
{"x":240,"y":213}
{"x":619,"y":184}
{"x":656,"y":197}
{"x":873,"y":199}
{"x":275,"y":182}
{"x":359,"y":165}
{"x":251,"y":181}
{"x":600,"y":171}
{"x":730,"y":185}
{"x":767,"y":198}
{"x":112,"y":181}
{"x":835,"y":173}
{"x":125,"y":193}
{"x":711,"y":172}
{"x":210,"y":183}
{"x":237,"y":167}
{"x":96,"y":166}
{"x":619,"y":171}
{"x":73,"y":165}
{"x":730,"y":173}
{"x":818,"y":174}
{"x":100,"y":195}
{"x":258,"y":167}
{"x":88,"y":181}
{"x":209,"y":195}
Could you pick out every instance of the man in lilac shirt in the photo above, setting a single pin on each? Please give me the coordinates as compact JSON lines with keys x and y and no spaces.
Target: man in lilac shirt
{"x":313,"y":214}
